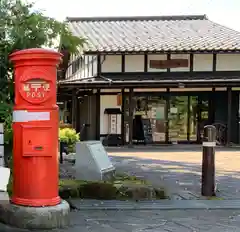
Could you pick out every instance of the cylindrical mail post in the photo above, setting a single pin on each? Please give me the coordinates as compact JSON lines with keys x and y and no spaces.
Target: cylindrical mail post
{"x":35,"y":128}
{"x":208,"y":161}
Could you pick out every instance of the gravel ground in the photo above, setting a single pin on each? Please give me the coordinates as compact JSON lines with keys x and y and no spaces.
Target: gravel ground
{"x":66,"y":171}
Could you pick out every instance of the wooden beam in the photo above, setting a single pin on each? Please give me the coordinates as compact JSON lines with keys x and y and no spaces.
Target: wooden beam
{"x":168,"y":58}
{"x":191,"y":62}
{"x":145,"y":63}
{"x":123,"y":64}
{"x":99,"y":65}
{"x":214,"y":67}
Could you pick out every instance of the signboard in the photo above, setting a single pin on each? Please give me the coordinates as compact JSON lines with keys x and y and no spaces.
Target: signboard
{"x":173,"y":63}
{"x":92,"y":162}
{"x":160,"y":113}
{"x":113,"y":124}
{"x":173,"y":110}
{"x":35,"y":90}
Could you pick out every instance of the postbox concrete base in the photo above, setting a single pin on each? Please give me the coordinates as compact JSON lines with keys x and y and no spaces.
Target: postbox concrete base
{"x":35,"y":217}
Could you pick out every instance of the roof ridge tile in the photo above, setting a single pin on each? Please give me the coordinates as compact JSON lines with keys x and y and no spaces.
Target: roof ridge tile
{"x":139,"y":18}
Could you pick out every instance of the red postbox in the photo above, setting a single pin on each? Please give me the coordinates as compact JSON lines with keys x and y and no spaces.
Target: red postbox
{"x":35,"y":128}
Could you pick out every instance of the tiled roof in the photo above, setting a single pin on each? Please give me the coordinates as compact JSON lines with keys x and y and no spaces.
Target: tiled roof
{"x":154,"y":34}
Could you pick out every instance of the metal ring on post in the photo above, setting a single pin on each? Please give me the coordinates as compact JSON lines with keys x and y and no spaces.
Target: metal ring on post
{"x":209,"y":144}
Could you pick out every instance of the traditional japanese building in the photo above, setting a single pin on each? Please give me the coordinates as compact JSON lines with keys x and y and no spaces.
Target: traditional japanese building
{"x":152,"y":79}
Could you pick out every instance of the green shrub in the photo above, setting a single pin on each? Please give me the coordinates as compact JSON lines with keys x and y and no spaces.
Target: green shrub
{"x":8,"y":131}
{"x":69,"y":136}
{"x":10,"y":181}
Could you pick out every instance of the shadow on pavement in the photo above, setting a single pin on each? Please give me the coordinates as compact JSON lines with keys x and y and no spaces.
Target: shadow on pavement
{"x":167,"y":148}
{"x":179,"y":178}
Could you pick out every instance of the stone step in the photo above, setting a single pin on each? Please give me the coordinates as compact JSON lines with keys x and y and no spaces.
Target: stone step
{"x":156,"y":205}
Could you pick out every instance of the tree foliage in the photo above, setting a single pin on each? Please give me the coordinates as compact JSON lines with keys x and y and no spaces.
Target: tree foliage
{"x":22,"y":27}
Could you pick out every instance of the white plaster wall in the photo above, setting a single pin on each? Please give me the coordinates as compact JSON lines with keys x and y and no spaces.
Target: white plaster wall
{"x":181,"y":56}
{"x":108,"y":101}
{"x":134,"y":63}
{"x":156,"y":57}
{"x":228,"y":62}
{"x":202,"y":62}
{"x":112,"y":63}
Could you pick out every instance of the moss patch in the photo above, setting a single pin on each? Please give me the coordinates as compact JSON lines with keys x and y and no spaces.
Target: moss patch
{"x":87,"y":190}
{"x":215,"y":198}
{"x":123,"y":187}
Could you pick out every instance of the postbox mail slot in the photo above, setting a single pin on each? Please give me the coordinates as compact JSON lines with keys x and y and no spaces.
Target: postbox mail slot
{"x":36,"y":141}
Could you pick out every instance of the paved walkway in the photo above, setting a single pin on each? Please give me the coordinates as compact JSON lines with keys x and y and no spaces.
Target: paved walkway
{"x":179,"y":170}
{"x":156,"y":205}
{"x":149,"y":221}
{"x":156,"y":221}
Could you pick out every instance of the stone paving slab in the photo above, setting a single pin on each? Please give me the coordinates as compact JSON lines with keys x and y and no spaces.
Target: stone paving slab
{"x":149,"y":221}
{"x":157,"y":205}
{"x":155,"y":221}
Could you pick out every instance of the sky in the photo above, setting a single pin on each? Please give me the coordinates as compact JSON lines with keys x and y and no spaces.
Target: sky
{"x":225,"y":12}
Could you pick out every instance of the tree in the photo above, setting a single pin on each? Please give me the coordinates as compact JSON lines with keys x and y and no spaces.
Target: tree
{"x":21,"y":27}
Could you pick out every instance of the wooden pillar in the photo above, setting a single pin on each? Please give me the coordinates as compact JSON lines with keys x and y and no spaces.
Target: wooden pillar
{"x":130,"y":118}
{"x":211,"y":107}
{"x":97,"y":133}
{"x":78,"y":126}
{"x":188,"y":118}
{"x":74,"y":109}
{"x":199,"y":118}
{"x":123,"y":134}
{"x":167,"y":116}
{"x":229,"y":115}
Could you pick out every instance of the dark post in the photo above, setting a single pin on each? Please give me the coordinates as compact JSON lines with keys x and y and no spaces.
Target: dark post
{"x":208,"y":161}
{"x":61,"y":146}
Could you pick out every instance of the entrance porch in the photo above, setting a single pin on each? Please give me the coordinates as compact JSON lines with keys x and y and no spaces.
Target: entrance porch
{"x":155,"y":116}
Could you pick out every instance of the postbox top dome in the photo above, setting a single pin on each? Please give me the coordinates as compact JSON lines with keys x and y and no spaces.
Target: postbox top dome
{"x":35,"y":53}
{"x":35,"y":50}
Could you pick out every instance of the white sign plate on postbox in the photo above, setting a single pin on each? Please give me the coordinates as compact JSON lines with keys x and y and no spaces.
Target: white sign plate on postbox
{"x":92,"y":162}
